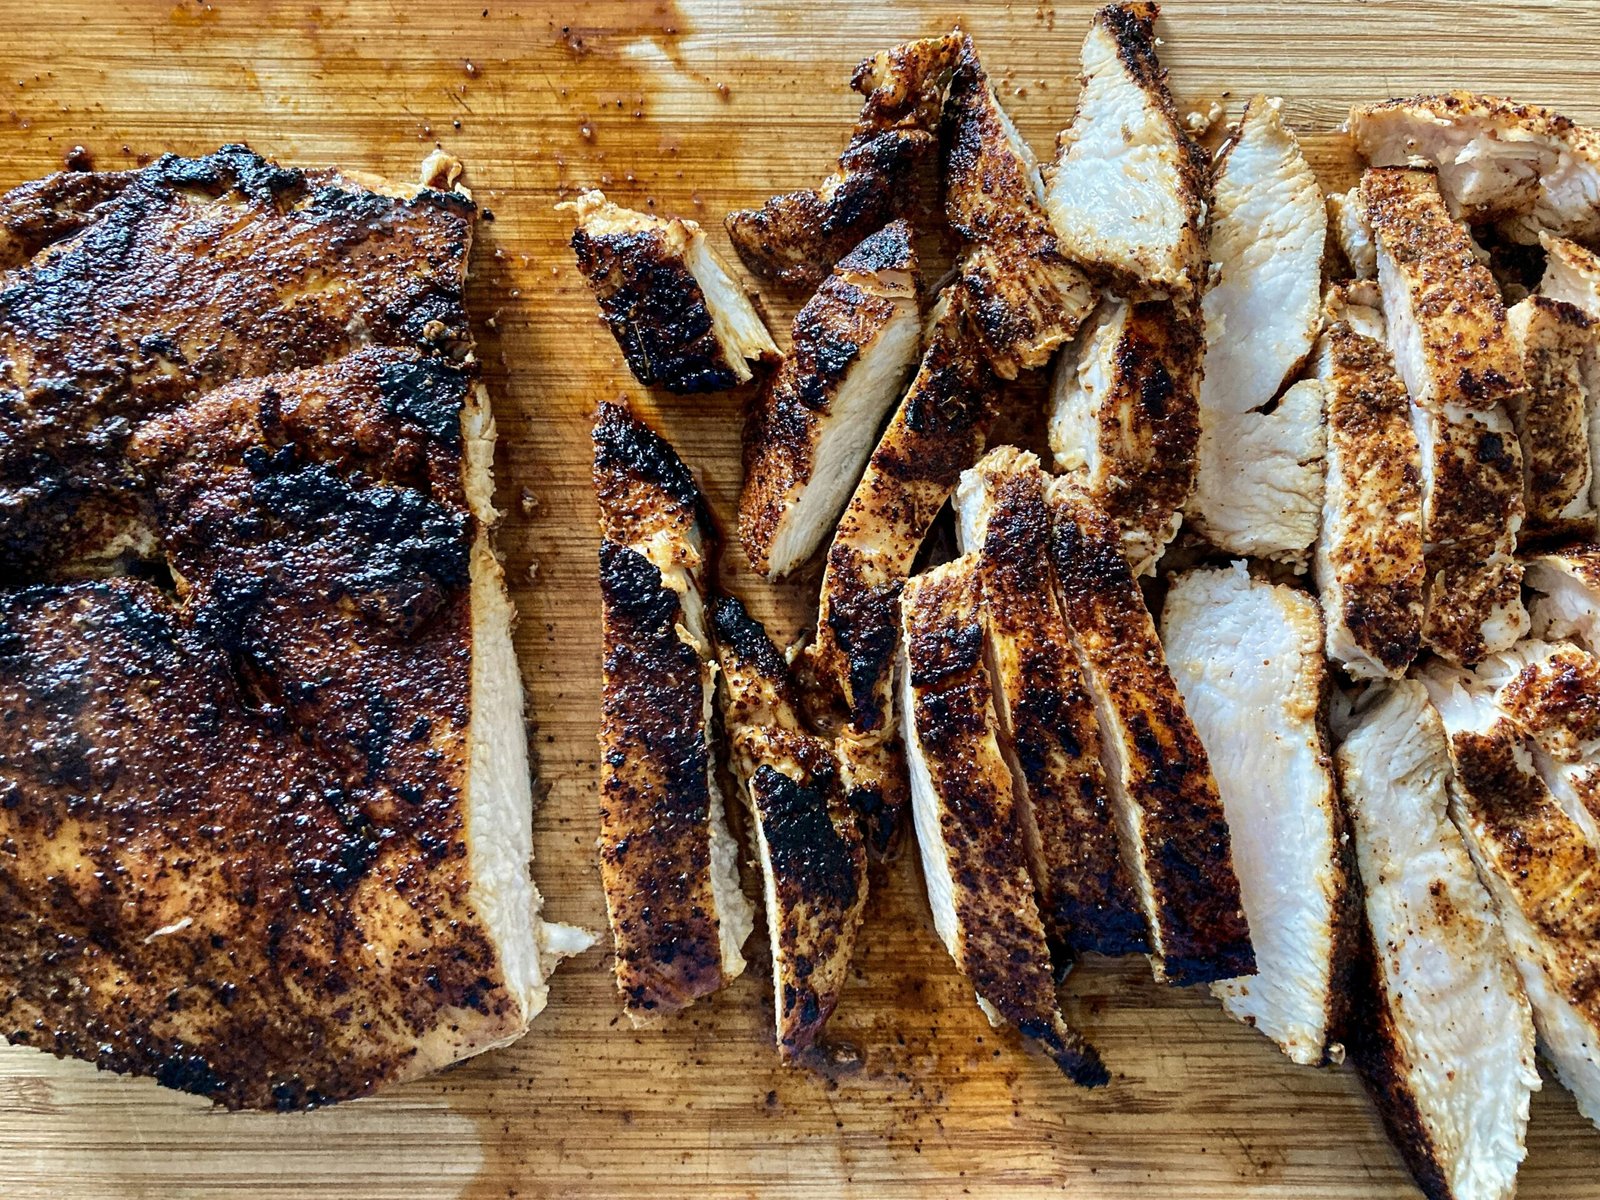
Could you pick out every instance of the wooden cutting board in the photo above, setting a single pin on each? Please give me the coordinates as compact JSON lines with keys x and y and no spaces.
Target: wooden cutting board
{"x":697,"y":107}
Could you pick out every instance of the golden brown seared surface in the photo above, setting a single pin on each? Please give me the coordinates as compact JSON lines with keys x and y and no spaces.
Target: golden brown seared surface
{"x":235,"y":854}
{"x":659,"y":814}
{"x":1125,"y":419}
{"x":1046,"y":719}
{"x":1169,"y":811}
{"x":41,"y":211}
{"x":973,"y":859}
{"x":1551,"y":416}
{"x":200,"y":271}
{"x":1025,"y":298}
{"x":812,"y":855}
{"x":1369,"y":561}
{"x":939,"y":430}
{"x":796,"y":238}
{"x":819,"y":398}
{"x":1555,"y":700}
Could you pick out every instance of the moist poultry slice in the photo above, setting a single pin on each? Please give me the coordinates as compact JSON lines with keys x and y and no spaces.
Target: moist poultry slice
{"x":1453,"y":348}
{"x":1269,"y":227}
{"x":967,"y":828}
{"x":1541,"y":870}
{"x":939,"y":430}
{"x":1170,"y":817}
{"x":812,"y":858}
{"x":1552,"y":415}
{"x":1444,"y":1040}
{"x":668,"y":863}
{"x":1347,"y":219}
{"x":1520,"y":167}
{"x":1129,"y":187}
{"x":1369,"y":557}
{"x":1047,"y":725}
{"x":1571,"y":274}
{"x":1566,"y":604}
{"x":808,"y":434}
{"x":1125,"y":418}
{"x":795,"y":239}
{"x":1259,"y":489}
{"x":1247,"y":658}
{"x":676,"y":310}
{"x":1026,"y":299}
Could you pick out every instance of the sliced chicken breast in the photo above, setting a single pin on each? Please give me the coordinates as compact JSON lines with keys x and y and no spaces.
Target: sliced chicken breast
{"x":668,"y":863}
{"x":1542,"y":872}
{"x":1521,"y":167}
{"x":813,"y":862}
{"x":939,"y":429}
{"x":808,"y":434}
{"x":1259,"y":490}
{"x":1170,"y":818}
{"x":1129,"y":187}
{"x":1347,"y":219}
{"x":967,"y":828}
{"x":1125,"y":418}
{"x":1552,"y":418}
{"x":1269,"y":228}
{"x":1566,"y":603}
{"x":1247,"y":658}
{"x":1026,"y":299}
{"x":674,"y":307}
{"x":1445,"y":1043}
{"x":795,"y":239}
{"x":1048,"y":731}
{"x":1453,"y":348}
{"x":1571,"y":274}
{"x":1369,"y":561}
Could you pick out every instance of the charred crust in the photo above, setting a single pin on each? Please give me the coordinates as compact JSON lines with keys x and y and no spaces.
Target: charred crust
{"x":39,"y":213}
{"x":747,"y":637}
{"x":638,"y":476}
{"x":810,"y":858}
{"x":890,"y":249}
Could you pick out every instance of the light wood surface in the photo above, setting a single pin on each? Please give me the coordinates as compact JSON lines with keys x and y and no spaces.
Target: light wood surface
{"x":920,"y":1098}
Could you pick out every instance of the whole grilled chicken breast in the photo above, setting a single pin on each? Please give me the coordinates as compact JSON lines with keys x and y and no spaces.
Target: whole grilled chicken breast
{"x":809,"y":433}
{"x":1129,"y":188}
{"x":1445,"y":1041}
{"x":967,"y":828}
{"x":667,"y":860}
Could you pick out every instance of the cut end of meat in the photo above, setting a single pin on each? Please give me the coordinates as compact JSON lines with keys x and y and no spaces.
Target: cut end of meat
{"x":1551,"y":414}
{"x":1566,"y":584}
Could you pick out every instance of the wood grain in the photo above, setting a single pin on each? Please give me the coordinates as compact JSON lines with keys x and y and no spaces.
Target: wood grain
{"x":920,"y":1098}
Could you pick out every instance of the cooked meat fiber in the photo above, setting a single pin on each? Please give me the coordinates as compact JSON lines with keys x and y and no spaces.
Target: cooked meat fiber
{"x":967,"y":827}
{"x":1129,"y":188}
{"x":676,"y":310}
{"x":1542,"y":872}
{"x":1026,"y":299}
{"x":939,"y":429}
{"x":1247,"y":658}
{"x":268,"y":837}
{"x":796,"y":238}
{"x":1125,"y":418}
{"x":1269,"y":226}
{"x":812,"y":858}
{"x":1369,"y":557}
{"x":808,"y":434}
{"x":1047,"y":727}
{"x":1170,"y":817}
{"x":667,"y":861}
{"x":1347,"y":219}
{"x":1453,"y":348}
{"x":1552,"y":418}
{"x":1447,"y":1045}
{"x":1567,"y":600}
{"x":1518,"y":166}
{"x":1259,"y":489}
{"x":1571,"y":274}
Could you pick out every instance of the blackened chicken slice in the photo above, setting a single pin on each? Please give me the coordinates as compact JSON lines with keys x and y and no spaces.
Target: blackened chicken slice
{"x":1170,"y":815}
{"x":813,"y":861}
{"x":1247,"y":658}
{"x":1026,"y":298}
{"x":796,"y":238}
{"x":1048,"y":731}
{"x":1443,"y":1034}
{"x":1553,"y":415}
{"x":967,"y":829}
{"x":810,"y":431}
{"x":681,"y":318}
{"x":668,"y":863}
